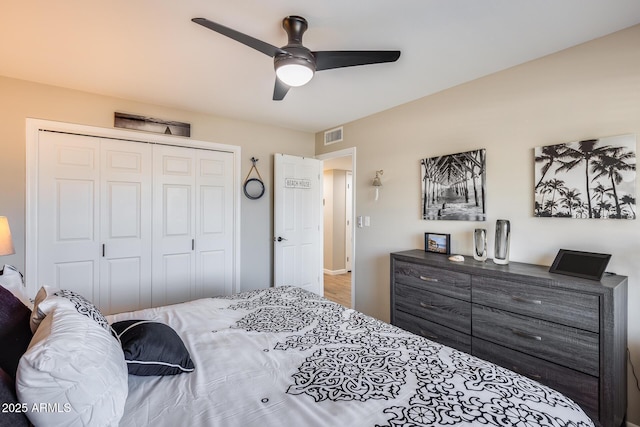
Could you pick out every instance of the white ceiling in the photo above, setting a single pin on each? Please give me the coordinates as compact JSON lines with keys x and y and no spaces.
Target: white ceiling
{"x":150,"y":51}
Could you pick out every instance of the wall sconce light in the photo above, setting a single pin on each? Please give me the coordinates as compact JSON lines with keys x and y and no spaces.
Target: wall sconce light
{"x":6,"y":243}
{"x":376,"y":182}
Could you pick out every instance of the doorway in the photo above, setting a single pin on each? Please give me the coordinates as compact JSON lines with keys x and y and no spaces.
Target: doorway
{"x":338,"y":217}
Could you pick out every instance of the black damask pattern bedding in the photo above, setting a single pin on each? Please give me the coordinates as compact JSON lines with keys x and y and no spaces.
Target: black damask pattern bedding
{"x":309,"y":361}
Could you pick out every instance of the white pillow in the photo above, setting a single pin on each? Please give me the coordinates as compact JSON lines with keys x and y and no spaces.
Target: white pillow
{"x":11,"y":279}
{"x":77,"y":368}
{"x":49,"y":297}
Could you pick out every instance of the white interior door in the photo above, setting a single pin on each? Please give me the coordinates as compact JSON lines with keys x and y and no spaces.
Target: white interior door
{"x":298,"y":222}
{"x":173,"y":263}
{"x":125,"y":223}
{"x":68,"y":213}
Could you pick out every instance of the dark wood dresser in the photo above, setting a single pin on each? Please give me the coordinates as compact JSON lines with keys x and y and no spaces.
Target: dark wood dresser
{"x":565,"y":332}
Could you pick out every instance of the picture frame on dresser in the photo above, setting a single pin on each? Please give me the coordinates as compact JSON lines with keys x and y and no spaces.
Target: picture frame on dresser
{"x":437,"y":243}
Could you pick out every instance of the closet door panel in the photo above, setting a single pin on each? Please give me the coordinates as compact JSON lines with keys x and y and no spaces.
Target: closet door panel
{"x":123,"y":283}
{"x":74,"y":210}
{"x":214,"y":223}
{"x":124,"y":200}
{"x":212,"y":210}
{"x":173,"y":258}
{"x":177,"y":216}
{"x":213,"y":271}
{"x":174,"y":285}
{"x":78,"y":276}
{"x":68,"y":213}
{"x":125,"y":270}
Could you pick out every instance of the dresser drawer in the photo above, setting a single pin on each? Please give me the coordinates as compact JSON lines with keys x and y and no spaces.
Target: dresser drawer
{"x":447,"y":311}
{"x":433,"y":331}
{"x":445,"y":282}
{"x":555,"y":305}
{"x":569,"y":347}
{"x":582,"y":388}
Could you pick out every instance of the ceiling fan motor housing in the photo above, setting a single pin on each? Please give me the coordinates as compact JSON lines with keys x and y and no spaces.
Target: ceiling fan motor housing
{"x":295,"y":26}
{"x":296,"y":53}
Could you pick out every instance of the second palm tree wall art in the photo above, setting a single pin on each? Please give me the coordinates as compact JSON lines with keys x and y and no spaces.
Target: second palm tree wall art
{"x":593,"y":178}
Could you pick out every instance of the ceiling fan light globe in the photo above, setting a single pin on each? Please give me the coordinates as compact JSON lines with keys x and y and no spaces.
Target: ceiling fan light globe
{"x":294,"y":75}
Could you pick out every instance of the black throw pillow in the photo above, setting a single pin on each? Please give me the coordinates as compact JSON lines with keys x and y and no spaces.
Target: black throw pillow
{"x":152,"y":348}
{"x":15,"y":333}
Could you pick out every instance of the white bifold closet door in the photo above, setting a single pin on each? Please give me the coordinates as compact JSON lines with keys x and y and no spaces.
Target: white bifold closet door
{"x":132,"y":225}
{"x":94,"y":219}
{"x":192,"y":231}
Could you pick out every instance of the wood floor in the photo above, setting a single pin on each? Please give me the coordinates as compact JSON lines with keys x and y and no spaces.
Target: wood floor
{"x":338,"y":288}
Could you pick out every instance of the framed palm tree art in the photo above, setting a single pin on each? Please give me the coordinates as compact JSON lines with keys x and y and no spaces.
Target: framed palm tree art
{"x":593,"y":178}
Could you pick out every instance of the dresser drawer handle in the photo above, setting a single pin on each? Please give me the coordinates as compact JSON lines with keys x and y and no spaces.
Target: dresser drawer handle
{"x":427,"y":335}
{"x":428,"y":279}
{"x":526,"y":335}
{"x":526,"y":300}
{"x":425,"y":305}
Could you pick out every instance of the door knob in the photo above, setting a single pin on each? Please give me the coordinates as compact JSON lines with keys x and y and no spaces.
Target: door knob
{"x":280,"y":239}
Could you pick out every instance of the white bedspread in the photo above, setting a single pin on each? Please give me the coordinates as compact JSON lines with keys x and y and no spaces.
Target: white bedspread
{"x":286,"y":357}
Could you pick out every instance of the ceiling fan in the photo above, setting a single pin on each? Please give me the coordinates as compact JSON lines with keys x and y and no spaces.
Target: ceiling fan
{"x":295,"y":65}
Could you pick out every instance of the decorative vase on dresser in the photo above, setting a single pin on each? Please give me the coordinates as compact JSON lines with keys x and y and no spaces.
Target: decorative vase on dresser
{"x":480,"y":244}
{"x":566,"y":332}
{"x":503,"y":238}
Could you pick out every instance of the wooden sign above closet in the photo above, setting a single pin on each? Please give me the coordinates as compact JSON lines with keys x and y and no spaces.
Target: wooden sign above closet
{"x":149,"y":124}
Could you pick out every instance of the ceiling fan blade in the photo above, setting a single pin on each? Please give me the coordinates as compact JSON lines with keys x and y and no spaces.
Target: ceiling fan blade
{"x":279,"y":90}
{"x":328,"y":59}
{"x":252,"y":42}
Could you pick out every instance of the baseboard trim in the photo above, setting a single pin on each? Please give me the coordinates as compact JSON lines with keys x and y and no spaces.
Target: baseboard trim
{"x":335,"y":272}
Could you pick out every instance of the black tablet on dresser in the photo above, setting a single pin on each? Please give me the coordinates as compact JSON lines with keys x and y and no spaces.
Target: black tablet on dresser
{"x":587,"y":265}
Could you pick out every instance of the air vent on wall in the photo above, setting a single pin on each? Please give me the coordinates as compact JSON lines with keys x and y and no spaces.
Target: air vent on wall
{"x":332,"y":136}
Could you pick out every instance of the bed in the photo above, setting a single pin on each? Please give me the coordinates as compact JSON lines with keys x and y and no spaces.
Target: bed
{"x":272,"y":357}
{"x":285,"y":356}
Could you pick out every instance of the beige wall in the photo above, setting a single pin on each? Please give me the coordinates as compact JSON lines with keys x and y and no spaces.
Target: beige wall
{"x":589,"y":91}
{"x":20,"y":99}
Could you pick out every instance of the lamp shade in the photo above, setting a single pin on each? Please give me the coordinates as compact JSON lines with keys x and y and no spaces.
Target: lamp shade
{"x":6,"y":244}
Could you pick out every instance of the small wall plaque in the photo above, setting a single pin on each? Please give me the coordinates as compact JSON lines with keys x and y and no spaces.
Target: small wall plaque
{"x":297,"y":183}
{"x":149,"y":124}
